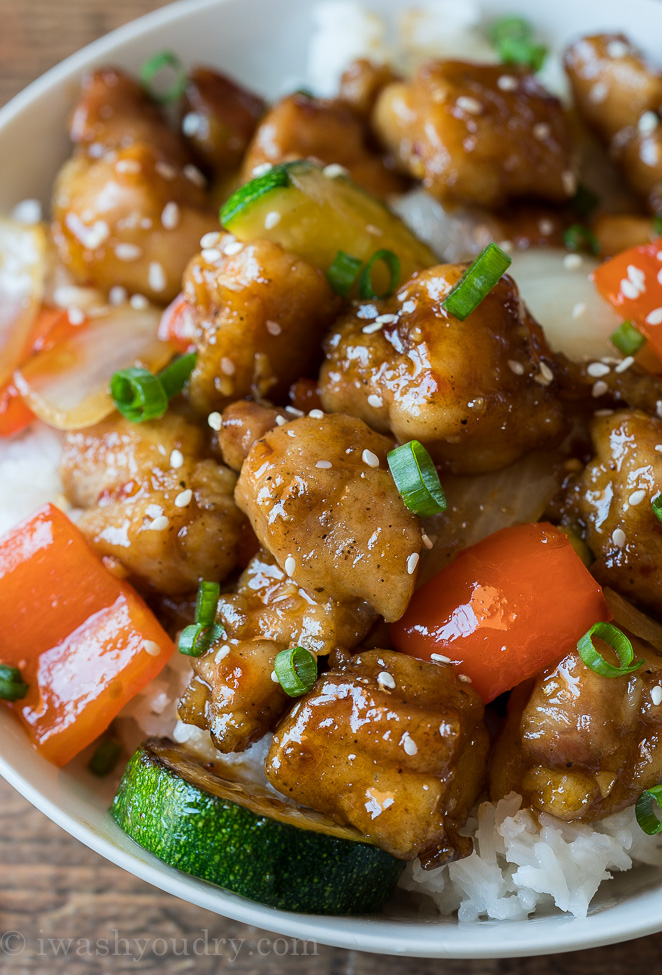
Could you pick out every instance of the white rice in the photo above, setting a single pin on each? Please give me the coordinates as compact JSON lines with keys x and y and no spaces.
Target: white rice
{"x":28,"y":474}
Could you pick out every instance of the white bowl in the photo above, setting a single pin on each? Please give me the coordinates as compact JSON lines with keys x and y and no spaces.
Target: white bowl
{"x":263,"y":43}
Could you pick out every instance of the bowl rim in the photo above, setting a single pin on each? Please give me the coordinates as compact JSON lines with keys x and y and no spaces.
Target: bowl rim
{"x":436,"y":938}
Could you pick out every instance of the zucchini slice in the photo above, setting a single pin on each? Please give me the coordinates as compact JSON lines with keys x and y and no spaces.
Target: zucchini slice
{"x":246,"y":839}
{"x":314,"y":216}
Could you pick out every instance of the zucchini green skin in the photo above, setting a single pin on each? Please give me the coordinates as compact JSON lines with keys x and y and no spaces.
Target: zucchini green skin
{"x":228,"y":844}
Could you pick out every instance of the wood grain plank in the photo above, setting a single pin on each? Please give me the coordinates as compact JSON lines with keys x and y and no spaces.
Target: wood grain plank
{"x":77,"y":913}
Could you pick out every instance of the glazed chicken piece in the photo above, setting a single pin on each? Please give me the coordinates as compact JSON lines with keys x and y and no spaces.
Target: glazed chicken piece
{"x":478,"y":133}
{"x":128,"y":207}
{"x":153,"y":501}
{"x":219,"y":118}
{"x":620,"y":95}
{"x":612,"y":499}
{"x":321,"y":498}
{"x":361,"y":84}
{"x":259,"y":315}
{"x":242,"y":424}
{"x":301,"y":127}
{"x":581,"y":746}
{"x":461,"y":388}
{"x":232,"y":692}
{"x":389,"y":744}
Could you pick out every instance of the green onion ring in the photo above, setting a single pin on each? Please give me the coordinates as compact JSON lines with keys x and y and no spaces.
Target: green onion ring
{"x":175,"y":376}
{"x":12,"y":685}
{"x":656,"y":505}
{"x":392,"y":262}
{"x":343,"y":273}
{"x":627,"y":338}
{"x":618,"y":641}
{"x":206,"y":603}
{"x":138,"y":394}
{"x":416,"y":479}
{"x":580,"y":238}
{"x":477,"y":282}
{"x":645,"y":810}
{"x":296,"y":670}
{"x":197,"y":639}
{"x":105,"y":757}
{"x":153,"y":67}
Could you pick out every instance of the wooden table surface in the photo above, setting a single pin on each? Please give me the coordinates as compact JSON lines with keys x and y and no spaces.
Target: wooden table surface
{"x":63,"y":909}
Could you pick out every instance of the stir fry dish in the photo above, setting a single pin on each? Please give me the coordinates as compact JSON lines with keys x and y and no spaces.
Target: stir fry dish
{"x":388,"y":506}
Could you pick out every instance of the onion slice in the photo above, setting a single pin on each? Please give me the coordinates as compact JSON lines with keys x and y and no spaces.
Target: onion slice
{"x":23,"y":252}
{"x":632,"y":619}
{"x":68,"y":386}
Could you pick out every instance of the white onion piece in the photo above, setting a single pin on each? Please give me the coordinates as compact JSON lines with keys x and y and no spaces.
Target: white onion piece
{"x":630,"y":618}
{"x":454,"y":235}
{"x":562,"y":297}
{"x":481,"y":504}
{"x":22,"y":276}
{"x":68,"y":386}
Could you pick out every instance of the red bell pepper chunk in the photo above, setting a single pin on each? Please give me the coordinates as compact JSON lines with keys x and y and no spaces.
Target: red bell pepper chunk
{"x":177,"y":325}
{"x":84,"y":641}
{"x":504,"y":609}
{"x":632,"y":284}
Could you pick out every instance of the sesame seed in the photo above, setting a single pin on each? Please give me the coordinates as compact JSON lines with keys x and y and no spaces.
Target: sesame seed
{"x":293,"y":410}
{"x":440,"y":658}
{"x":602,"y":413}
{"x":375,"y":401}
{"x":138,"y":302}
{"x":546,"y":374}
{"x":221,"y":653}
{"x":324,"y":465}
{"x":541,"y":131}
{"x":654,"y":317}
{"x":211,"y":239}
{"x":507,"y":82}
{"x":617,"y":49}
{"x":636,"y":275}
{"x":158,"y":524}
{"x":290,"y":566}
{"x":227,"y":366}
{"x":647,"y":123}
{"x":427,"y":541}
{"x":273,"y":328}
{"x":468,"y":104}
{"x":637,"y":497}
{"x":386,"y":319}
{"x":333,"y":170}
{"x":658,"y":447}
{"x":261,"y":169}
{"x":375,"y":326}
{"x":280,"y":420}
{"x":191,"y":123}
{"x":386,"y":680}
{"x":375,"y":231}
{"x":569,"y":182}
{"x":630,"y":289}
{"x":597,"y":370}
{"x":291,"y":433}
{"x":274,"y":677}
{"x":128,"y":166}
{"x":27,"y":212}
{"x":170,"y":216}
{"x":127,"y":252}
{"x":211,"y":255}
{"x":625,"y":364}
{"x":408,"y":744}
{"x":76,"y":316}
{"x":412,"y":562}
{"x":598,"y":93}
{"x":572,"y":261}
{"x":117,"y":295}
{"x":234,"y":247}
{"x":176,"y":459}
{"x":152,"y":648}
{"x":194,"y":176}
{"x":599,"y":389}
{"x":184,"y":498}
{"x":658,"y":408}
{"x":516,"y":367}
{"x":579,"y":309}
{"x":464,"y":678}
{"x":214,"y":420}
{"x":618,"y":537}
{"x":656,"y":695}
{"x":156,"y":277}
{"x":316,"y":414}
{"x":372,"y":460}
{"x":272,"y":220}
{"x":546,"y":227}
{"x":165,"y":170}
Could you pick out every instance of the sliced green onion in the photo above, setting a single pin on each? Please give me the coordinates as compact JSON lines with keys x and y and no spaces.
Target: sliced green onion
{"x":206,"y":603}
{"x":656,"y":505}
{"x":138,"y":394}
{"x":477,"y":282}
{"x":649,"y":810}
{"x":584,"y":201}
{"x":513,"y":40}
{"x":197,"y":639}
{"x":627,"y":338}
{"x":164,"y":61}
{"x":12,"y":685}
{"x":343,"y":272}
{"x":619,"y":643}
{"x":105,"y":758}
{"x":392,"y":262}
{"x":580,"y":238}
{"x":657,"y":225}
{"x":175,"y":376}
{"x":416,"y":479}
{"x":296,"y":670}
{"x":275,"y":178}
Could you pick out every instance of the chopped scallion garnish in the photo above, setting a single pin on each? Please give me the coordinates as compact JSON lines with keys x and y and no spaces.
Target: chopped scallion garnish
{"x":197,"y":639}
{"x":343,"y":272}
{"x":169,"y":64}
{"x":105,"y":757}
{"x":657,"y":225}
{"x":513,"y":40}
{"x":618,"y":642}
{"x":580,"y":238}
{"x":649,"y":810}
{"x":416,"y":479}
{"x":296,"y":670}
{"x":477,"y":282}
{"x":656,"y":505}
{"x":275,"y":178}
{"x":627,"y":338}
{"x":206,"y":603}
{"x":392,"y":262}
{"x":139,"y":395}
{"x":584,"y":201}
{"x":12,"y":685}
